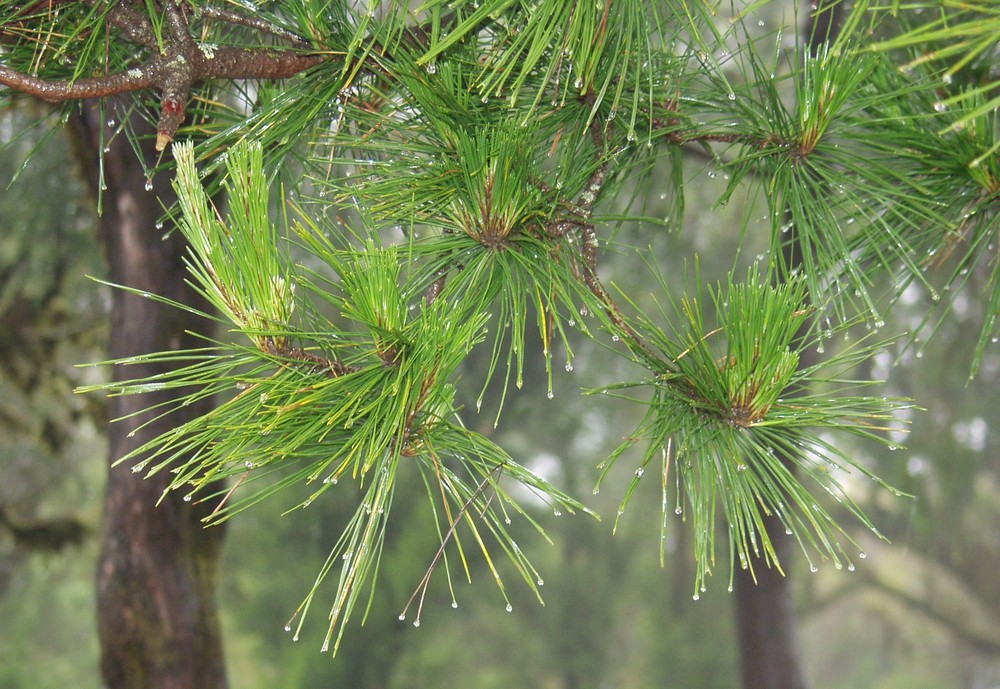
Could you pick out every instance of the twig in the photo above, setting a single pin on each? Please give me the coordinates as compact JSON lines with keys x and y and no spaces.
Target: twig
{"x":580,"y":221}
{"x":331,"y":367}
{"x":425,"y":581}
{"x":256,"y":23}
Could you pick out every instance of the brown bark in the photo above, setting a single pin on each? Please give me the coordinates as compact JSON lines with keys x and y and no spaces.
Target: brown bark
{"x":770,"y":657}
{"x":156,"y":576}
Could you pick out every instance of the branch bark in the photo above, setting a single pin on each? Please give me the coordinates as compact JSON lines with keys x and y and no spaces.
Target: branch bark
{"x":174,"y":67}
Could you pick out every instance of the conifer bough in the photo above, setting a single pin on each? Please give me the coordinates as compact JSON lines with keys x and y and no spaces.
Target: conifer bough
{"x":491,"y":136}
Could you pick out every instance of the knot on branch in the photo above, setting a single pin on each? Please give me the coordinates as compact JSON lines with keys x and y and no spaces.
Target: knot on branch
{"x":175,"y":64}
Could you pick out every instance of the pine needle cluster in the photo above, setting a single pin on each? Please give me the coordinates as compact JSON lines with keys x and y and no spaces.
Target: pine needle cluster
{"x":454,"y":173}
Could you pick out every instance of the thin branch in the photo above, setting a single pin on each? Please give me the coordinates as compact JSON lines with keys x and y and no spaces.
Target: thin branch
{"x":580,"y":221}
{"x":426,"y":580}
{"x":256,"y":23}
{"x":332,"y":368}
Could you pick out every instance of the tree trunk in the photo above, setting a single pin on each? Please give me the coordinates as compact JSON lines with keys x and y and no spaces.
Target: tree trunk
{"x":156,"y":576}
{"x":770,"y":657}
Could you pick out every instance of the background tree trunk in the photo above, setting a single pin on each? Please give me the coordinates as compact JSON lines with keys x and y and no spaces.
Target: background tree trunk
{"x":156,"y":575}
{"x":770,"y":657}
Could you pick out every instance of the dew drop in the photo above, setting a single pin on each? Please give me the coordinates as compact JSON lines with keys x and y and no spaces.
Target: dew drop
{"x":678,"y":510}
{"x":813,"y":568}
{"x":288,"y":627}
{"x":569,"y":367}
{"x":850,"y":567}
{"x":862,"y":555}
{"x":510,"y":607}
{"x":416,"y":623}
{"x":187,"y":498}
{"x":639,"y":472}
{"x":550,"y":394}
{"x":939,"y":106}
{"x":696,"y":597}
{"x":541,"y":582}
{"x":732,"y":96}
{"x":149,"y":184}
{"x":401,"y":618}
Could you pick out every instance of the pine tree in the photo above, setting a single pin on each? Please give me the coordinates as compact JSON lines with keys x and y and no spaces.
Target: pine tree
{"x":406,"y":185}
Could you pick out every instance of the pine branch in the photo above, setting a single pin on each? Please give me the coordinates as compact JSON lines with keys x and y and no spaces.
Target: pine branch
{"x":178,"y":65}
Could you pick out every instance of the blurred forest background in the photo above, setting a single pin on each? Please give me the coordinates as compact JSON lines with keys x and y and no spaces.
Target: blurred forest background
{"x":922,"y":612}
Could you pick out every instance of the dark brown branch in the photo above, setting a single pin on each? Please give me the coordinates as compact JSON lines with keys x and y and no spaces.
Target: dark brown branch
{"x":251,"y":63}
{"x":173,"y":73}
{"x":182,"y":63}
{"x":135,"y":25}
{"x":97,"y":87}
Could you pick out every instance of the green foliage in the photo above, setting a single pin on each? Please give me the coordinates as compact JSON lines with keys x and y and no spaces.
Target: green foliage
{"x":457,"y":172}
{"x":738,"y":420}
{"x":364,"y":404}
